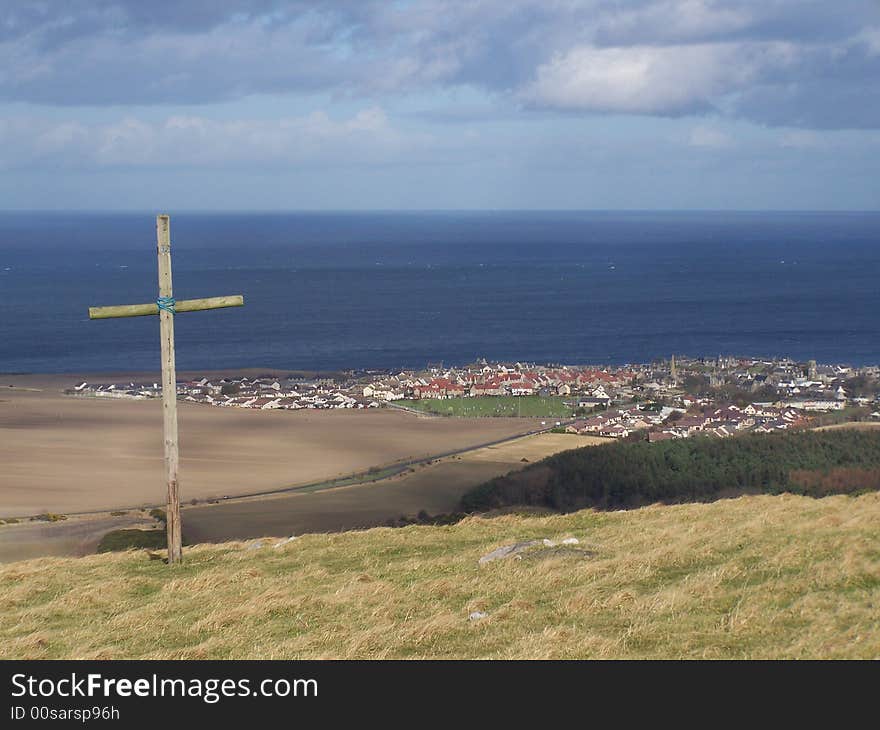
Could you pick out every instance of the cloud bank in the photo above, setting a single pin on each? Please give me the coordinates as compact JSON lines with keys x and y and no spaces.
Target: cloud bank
{"x":366,"y":137}
{"x":794,"y":63}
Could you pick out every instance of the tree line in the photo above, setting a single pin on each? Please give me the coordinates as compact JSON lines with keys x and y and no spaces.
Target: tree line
{"x":627,"y":475}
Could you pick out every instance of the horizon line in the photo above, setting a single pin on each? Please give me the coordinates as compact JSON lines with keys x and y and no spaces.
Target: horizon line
{"x":234,"y":211}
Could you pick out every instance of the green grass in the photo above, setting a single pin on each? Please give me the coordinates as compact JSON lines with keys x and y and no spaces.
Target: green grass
{"x":850,"y":413}
{"x":117,"y":540}
{"x":754,"y":577}
{"x":374,"y":474}
{"x":527,"y":406}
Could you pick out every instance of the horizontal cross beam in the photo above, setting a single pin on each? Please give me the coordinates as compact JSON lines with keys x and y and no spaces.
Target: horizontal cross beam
{"x":182,"y":305}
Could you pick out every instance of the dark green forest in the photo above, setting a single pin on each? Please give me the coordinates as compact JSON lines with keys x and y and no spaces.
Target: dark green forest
{"x":627,"y":475}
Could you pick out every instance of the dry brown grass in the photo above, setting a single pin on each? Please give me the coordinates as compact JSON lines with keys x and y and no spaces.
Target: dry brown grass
{"x":857,"y":425}
{"x":755,"y":577}
{"x":532,"y":448}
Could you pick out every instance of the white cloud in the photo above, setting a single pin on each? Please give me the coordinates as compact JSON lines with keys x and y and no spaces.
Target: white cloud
{"x":870,"y":37}
{"x":643,"y":79}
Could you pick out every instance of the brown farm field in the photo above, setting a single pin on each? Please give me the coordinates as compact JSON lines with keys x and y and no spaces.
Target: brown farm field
{"x":71,"y":454}
{"x":857,"y":425}
{"x":435,"y":488}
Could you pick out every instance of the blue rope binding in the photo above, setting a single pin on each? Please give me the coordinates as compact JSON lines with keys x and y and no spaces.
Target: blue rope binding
{"x":166,"y":304}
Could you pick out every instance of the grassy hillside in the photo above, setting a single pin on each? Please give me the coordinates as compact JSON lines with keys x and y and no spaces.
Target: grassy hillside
{"x":622,"y":475}
{"x":783,"y":576}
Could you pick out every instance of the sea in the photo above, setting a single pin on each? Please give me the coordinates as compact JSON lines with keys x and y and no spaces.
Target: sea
{"x":330,"y":291}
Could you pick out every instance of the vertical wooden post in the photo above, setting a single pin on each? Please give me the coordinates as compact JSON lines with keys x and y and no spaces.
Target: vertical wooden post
{"x":169,"y":390}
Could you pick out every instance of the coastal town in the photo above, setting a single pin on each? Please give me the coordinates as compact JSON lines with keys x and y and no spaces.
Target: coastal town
{"x":670,"y":398}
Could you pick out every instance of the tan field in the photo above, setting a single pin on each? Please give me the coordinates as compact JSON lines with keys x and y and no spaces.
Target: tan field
{"x":70,"y":454}
{"x":435,"y":488}
{"x":858,"y":425}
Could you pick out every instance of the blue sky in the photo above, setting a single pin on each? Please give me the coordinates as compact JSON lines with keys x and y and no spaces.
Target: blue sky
{"x":423,"y":104}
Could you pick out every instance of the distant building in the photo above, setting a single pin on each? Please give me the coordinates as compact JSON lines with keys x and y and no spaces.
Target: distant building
{"x":817,"y":405}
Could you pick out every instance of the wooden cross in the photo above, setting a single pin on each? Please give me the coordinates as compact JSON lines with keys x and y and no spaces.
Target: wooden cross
{"x":166,"y":307}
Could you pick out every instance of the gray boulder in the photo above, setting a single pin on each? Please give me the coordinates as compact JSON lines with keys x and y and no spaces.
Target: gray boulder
{"x":508,"y":551}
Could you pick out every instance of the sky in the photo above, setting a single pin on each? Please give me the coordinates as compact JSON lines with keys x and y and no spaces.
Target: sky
{"x":439,"y":104}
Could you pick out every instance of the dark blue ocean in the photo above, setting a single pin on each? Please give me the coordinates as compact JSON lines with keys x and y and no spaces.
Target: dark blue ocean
{"x":377,"y":290}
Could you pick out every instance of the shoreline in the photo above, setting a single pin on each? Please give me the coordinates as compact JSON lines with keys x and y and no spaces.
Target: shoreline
{"x":55,"y":380}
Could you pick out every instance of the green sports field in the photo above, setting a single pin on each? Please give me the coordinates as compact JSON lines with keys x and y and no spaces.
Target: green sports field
{"x":527,"y":406}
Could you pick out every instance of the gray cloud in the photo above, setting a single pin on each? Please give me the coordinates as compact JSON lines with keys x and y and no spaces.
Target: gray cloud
{"x":779,"y":62}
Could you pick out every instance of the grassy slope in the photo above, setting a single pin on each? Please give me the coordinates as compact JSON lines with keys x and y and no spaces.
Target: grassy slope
{"x":763,"y":576}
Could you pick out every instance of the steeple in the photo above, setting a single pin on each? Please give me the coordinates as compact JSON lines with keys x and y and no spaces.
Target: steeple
{"x":673,"y":371}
